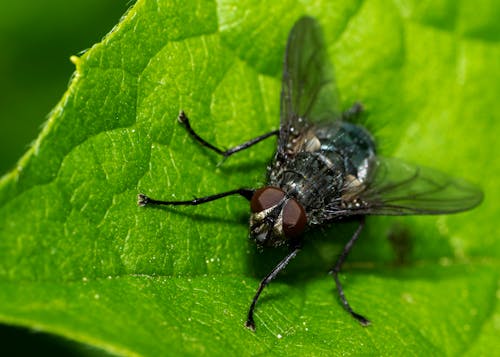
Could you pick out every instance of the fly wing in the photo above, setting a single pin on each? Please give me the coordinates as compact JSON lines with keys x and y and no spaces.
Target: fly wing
{"x":308,"y":87}
{"x":399,"y":188}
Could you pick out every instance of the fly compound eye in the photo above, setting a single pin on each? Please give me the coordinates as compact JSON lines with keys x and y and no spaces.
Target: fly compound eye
{"x":294,"y":219}
{"x":265,"y":198}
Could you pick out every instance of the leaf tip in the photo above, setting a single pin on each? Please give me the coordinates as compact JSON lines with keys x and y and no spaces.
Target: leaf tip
{"x":75,"y":60}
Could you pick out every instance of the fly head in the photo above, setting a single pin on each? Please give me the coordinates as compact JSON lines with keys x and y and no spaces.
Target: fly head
{"x":276,"y":219}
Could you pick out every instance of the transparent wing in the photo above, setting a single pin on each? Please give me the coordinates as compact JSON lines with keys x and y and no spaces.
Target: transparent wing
{"x":399,"y":188}
{"x":308,"y":87}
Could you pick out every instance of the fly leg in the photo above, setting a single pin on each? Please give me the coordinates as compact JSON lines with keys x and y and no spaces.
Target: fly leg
{"x":143,"y":200}
{"x":270,"y":277}
{"x":184,"y":120}
{"x":336,"y":269}
{"x":353,"y":112}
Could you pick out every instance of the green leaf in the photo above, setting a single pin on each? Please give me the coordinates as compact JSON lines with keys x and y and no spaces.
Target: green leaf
{"x":78,"y":258}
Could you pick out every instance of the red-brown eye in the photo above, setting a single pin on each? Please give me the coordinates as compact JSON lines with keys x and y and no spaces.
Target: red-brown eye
{"x":294,"y":218}
{"x":265,"y":198}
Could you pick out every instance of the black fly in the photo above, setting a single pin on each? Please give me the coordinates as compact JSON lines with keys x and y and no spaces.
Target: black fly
{"x":326,"y":168}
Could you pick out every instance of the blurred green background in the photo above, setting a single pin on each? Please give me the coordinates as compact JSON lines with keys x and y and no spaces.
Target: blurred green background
{"x":36,"y":40}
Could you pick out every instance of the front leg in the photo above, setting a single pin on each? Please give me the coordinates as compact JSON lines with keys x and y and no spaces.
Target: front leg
{"x":184,"y":120}
{"x":143,"y":200}
{"x":250,"y":323}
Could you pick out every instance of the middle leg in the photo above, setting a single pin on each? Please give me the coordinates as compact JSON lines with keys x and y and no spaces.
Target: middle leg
{"x":336,"y":269}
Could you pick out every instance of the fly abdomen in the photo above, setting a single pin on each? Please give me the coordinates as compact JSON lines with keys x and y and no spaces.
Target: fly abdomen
{"x":352,"y":142}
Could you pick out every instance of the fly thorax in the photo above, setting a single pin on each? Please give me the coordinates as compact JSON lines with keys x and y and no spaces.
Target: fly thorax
{"x":313,"y":176}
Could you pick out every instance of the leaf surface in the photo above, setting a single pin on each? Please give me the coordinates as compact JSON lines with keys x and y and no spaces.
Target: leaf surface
{"x":78,"y":257}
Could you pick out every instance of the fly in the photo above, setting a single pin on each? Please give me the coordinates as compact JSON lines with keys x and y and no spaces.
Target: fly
{"x":326,"y":168}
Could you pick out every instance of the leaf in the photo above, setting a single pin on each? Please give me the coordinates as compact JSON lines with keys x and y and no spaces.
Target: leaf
{"x":78,"y":258}
{"x":48,"y":31}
